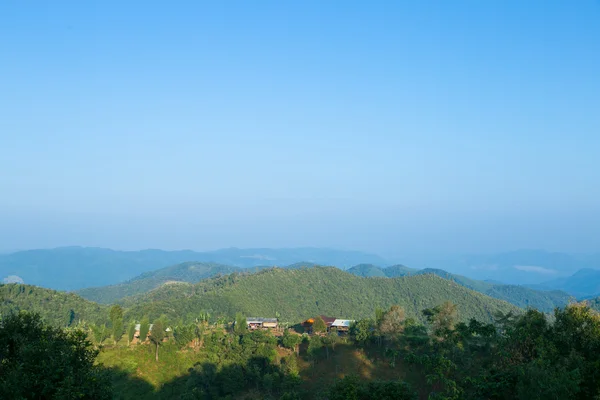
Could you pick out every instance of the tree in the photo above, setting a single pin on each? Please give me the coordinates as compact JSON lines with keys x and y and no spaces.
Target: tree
{"x":184,"y":334}
{"x":144,"y":329}
{"x":116,"y":317}
{"x":319,"y":325}
{"x":290,"y":340}
{"x":240,"y":327}
{"x":314,"y":346}
{"x":157,"y":334}
{"x":99,"y":333}
{"x":442,"y":318}
{"x":203,"y":318}
{"x":42,"y":362}
{"x":330,"y":339}
{"x":392,"y":323}
{"x":130,"y":333}
{"x":361,"y":331}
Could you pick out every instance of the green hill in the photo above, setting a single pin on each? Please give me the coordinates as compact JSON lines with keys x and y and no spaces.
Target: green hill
{"x":302,"y":293}
{"x":397,"y":270}
{"x":520,"y":296}
{"x":367,"y":271}
{"x":56,"y":308}
{"x":186,"y":272}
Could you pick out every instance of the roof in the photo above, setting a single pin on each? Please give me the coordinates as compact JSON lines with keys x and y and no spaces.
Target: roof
{"x":259,"y":320}
{"x":328,"y":320}
{"x":342,"y":322}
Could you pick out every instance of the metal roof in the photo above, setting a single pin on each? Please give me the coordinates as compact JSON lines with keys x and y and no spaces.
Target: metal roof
{"x":254,"y":320}
{"x":342,"y":322}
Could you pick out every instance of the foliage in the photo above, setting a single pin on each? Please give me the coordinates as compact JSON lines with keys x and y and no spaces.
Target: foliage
{"x":392,"y":322}
{"x":130,"y":332}
{"x":99,"y":333}
{"x":240,"y":326}
{"x":290,"y":340}
{"x":38,"y":361}
{"x":184,"y":334}
{"x":56,"y":308}
{"x":352,"y":388}
{"x":188,"y":272}
{"x":303,"y":293}
{"x":116,"y":318}
{"x":144,"y":328}
{"x":319,"y":325}
{"x":157,"y":334}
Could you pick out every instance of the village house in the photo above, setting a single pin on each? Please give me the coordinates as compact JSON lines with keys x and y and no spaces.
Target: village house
{"x":332,"y":324}
{"x":261,"y":323}
{"x":341,"y":325}
{"x":308,"y":324}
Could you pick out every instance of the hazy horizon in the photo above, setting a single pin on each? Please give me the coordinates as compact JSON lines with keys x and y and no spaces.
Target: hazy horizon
{"x":390,"y":128}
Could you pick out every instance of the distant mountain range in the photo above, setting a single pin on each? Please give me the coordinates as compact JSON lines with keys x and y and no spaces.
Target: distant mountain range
{"x":584,"y":283}
{"x":72,"y":268}
{"x":521,"y":266}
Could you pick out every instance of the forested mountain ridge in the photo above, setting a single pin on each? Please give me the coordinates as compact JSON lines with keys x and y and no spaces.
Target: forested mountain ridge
{"x":521,"y":296}
{"x":59,"y":309}
{"x":302,"y":293}
{"x":191,"y":272}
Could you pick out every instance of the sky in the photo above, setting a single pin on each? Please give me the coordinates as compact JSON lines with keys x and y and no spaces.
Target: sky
{"x":394,"y":127}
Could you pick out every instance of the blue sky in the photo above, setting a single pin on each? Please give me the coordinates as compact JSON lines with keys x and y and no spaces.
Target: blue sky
{"x":393,"y":127}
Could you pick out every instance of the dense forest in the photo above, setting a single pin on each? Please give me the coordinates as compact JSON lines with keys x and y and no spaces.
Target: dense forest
{"x":193,"y":272}
{"x":386,"y":356}
{"x":301,"y":293}
{"x":418,"y":336}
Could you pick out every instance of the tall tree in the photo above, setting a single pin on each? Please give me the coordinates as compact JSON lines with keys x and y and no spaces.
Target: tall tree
{"x":144,"y":329}
{"x":442,"y":318}
{"x":157,"y":334}
{"x":116,"y":318}
{"x":392,"y":322}
{"x":291,"y":341}
{"x":319,"y":326}
{"x":131,"y":333}
{"x":240,"y":327}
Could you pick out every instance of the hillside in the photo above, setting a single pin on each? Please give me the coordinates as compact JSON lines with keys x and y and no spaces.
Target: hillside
{"x":56,"y":308}
{"x":191,"y":272}
{"x":543,"y":300}
{"x":397,"y":270}
{"x":73,"y":268}
{"x":302,"y":293}
{"x":367,"y":271}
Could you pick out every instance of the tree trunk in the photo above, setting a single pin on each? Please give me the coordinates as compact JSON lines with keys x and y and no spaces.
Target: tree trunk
{"x":157,"y":352}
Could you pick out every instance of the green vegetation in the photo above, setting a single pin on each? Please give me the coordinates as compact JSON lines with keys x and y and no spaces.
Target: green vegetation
{"x":416,"y":336}
{"x":56,"y":308}
{"x":520,"y":296}
{"x":303,"y":293}
{"x":190,"y":272}
{"x":38,"y":361}
{"x":395,"y":271}
{"x":392,"y":356}
{"x":367,"y":271}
